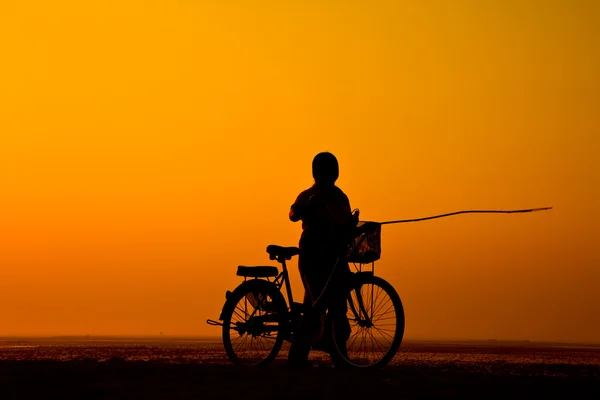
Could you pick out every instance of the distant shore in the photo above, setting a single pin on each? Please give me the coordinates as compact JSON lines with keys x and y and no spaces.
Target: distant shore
{"x":217,"y":339}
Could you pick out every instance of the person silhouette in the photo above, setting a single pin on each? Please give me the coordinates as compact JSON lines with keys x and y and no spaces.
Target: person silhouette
{"x":328,"y":227}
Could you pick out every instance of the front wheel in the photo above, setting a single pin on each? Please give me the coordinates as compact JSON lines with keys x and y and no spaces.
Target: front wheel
{"x":376,"y":318}
{"x":254,"y":320}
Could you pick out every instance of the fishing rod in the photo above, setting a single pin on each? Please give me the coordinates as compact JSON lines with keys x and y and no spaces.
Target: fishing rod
{"x":315,"y":302}
{"x":400,"y":221}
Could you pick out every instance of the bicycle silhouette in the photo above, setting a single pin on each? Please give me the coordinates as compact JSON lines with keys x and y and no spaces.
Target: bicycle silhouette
{"x":257,"y":319}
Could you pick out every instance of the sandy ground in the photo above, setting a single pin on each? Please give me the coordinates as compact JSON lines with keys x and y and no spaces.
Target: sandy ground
{"x":197,"y":369}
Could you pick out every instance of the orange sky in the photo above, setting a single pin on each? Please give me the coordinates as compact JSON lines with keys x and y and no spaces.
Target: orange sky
{"x":149,"y":147}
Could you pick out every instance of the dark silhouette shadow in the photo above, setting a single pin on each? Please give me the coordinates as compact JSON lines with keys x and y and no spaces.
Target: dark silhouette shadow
{"x":328,"y":227}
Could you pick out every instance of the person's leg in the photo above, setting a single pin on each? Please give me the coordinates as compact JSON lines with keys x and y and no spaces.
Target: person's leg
{"x":335,"y":304}
{"x":338,"y":307}
{"x":299,"y":350}
{"x":342,"y":326}
{"x":303,"y":334}
{"x":309,"y":325}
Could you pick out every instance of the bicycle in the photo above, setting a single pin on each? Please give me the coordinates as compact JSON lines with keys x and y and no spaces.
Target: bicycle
{"x":257,"y":319}
{"x":270,"y":320}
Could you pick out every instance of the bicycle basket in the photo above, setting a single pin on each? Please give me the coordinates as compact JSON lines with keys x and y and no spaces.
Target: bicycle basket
{"x":366,"y":248}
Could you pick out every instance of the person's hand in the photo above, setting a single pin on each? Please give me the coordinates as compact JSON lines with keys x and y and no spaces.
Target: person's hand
{"x":355,"y":216}
{"x":299,"y":209}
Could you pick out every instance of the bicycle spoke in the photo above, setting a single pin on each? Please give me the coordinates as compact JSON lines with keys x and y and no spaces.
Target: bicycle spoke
{"x":393,"y":317}
{"x":241,"y":342}
{"x":375,"y":300}
{"x":354,"y":337}
{"x":383,"y":334}
{"x":379,"y":307}
{"x":386,"y":311}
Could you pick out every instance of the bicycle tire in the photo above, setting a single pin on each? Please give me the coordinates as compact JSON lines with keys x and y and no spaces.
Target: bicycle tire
{"x":244,"y":324}
{"x":369,"y":346}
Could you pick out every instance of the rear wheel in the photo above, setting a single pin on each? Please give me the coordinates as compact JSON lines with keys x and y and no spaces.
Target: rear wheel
{"x":376,"y":317}
{"x":254,"y":320}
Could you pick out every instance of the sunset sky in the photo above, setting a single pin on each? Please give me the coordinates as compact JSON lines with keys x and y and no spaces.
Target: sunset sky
{"x":147,"y":148}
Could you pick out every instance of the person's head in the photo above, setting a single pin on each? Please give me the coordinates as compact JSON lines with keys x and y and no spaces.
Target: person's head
{"x":325,"y":169}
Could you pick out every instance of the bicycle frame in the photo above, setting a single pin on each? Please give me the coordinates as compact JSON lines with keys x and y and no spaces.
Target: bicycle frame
{"x":284,"y":279}
{"x":294,"y":309}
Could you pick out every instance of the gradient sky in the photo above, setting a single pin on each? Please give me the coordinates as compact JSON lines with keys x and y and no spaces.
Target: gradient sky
{"x":147,"y":148}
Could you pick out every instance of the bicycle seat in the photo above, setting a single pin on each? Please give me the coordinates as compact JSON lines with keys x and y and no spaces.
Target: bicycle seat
{"x":285,"y":252}
{"x":257,"y":272}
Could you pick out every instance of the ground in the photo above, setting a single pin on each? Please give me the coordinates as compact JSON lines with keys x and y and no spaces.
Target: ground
{"x":91,"y":368}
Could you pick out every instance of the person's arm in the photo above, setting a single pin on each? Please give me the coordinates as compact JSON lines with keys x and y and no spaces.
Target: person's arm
{"x":297,"y":212}
{"x":350,"y":219}
{"x":299,"y":208}
{"x":356,"y":230}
